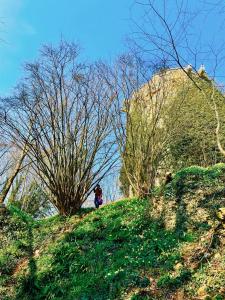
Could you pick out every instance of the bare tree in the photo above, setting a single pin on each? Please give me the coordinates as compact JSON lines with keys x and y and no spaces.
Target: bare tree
{"x":148,"y":113}
{"x":62,"y":112}
{"x":139,"y":107}
{"x":10,"y":179}
{"x":12,"y":159}
{"x":171,"y":37}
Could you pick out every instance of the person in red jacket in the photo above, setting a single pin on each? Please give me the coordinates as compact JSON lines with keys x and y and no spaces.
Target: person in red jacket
{"x":98,"y":196}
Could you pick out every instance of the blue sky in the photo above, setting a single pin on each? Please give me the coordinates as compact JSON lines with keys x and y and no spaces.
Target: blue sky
{"x":99,"y":26}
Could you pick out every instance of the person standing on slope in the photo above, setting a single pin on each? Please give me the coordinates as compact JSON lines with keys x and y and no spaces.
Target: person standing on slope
{"x":98,"y":196}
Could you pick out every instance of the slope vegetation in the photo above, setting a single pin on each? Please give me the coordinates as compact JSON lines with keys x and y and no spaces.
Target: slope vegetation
{"x":168,"y":247}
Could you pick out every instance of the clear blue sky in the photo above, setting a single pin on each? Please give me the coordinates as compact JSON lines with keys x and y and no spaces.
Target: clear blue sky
{"x":99,"y":26}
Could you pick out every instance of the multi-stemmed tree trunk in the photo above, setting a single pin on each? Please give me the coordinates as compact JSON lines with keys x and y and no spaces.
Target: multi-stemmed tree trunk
{"x":63,"y":113}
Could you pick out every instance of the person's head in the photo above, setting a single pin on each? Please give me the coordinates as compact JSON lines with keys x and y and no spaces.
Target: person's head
{"x":98,"y":185}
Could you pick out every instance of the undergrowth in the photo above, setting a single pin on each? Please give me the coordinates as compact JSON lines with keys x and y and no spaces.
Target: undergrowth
{"x":194,"y":177}
{"x":110,"y":253}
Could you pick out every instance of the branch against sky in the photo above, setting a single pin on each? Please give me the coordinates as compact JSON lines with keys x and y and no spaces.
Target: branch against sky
{"x":140,"y":109}
{"x":62,"y":111}
{"x":185,"y":35}
{"x":182,"y":32}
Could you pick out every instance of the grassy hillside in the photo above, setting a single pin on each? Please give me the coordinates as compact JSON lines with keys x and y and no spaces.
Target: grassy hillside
{"x":131,"y":249}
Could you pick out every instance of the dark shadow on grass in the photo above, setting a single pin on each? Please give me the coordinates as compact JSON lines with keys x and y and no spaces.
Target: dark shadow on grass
{"x":213,"y":198}
{"x":103,"y":259}
{"x":181,"y":218}
{"x":29,"y":287}
{"x":181,"y":213}
{"x":211,"y":202}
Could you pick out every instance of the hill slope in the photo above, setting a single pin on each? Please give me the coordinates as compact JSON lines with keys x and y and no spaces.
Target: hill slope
{"x":125,"y":250}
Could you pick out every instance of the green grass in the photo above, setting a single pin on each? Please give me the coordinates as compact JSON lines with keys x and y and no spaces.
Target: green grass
{"x":195,"y":177}
{"x":20,"y":236}
{"x":107,"y":253}
{"x":110,"y":251}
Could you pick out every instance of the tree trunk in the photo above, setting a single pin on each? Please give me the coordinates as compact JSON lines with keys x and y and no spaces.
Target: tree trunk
{"x":10,"y":179}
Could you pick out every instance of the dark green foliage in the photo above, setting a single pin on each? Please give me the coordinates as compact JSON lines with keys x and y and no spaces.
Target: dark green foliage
{"x":142,"y":296}
{"x":218,"y":297}
{"x":169,"y":282}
